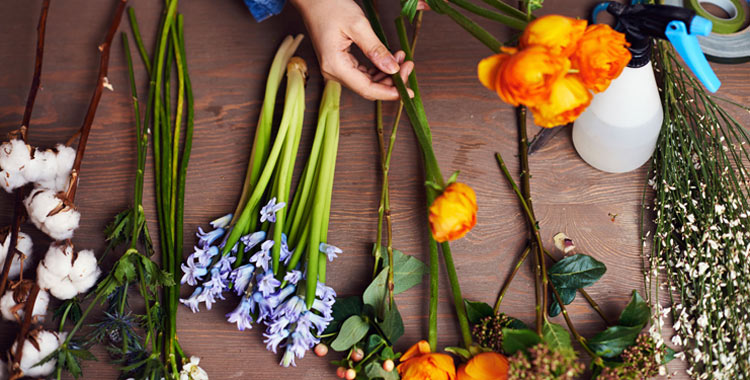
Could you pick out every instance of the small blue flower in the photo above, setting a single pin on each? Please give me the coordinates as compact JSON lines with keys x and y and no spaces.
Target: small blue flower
{"x":275,"y":325}
{"x":241,"y":277}
{"x":241,"y":314}
{"x":222,"y":221}
{"x":286,"y":254}
{"x":268,"y":284}
{"x":208,"y":296}
{"x":206,"y":239}
{"x":268,"y":212}
{"x":325,"y":293}
{"x":253,"y":239}
{"x":293,"y":277}
{"x":272,"y":341}
{"x":263,"y":257}
{"x":287,"y":359}
{"x":292,"y":308}
{"x":323,"y":307}
{"x":320,"y":322}
{"x":265,"y":310}
{"x":194,"y":300}
{"x":330,"y":250}
{"x":225,"y":264}
{"x":192,"y":272}
{"x":204,"y":255}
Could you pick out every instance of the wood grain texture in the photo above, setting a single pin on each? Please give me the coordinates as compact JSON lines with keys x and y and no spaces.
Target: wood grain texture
{"x":229,"y":55}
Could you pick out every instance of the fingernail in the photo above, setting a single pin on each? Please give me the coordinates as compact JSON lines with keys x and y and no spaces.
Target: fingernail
{"x":391,"y":65}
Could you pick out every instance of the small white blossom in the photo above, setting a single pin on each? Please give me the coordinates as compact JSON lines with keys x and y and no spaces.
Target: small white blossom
{"x":191,"y":370}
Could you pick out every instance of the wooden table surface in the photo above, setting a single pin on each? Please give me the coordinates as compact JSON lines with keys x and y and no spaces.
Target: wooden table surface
{"x":229,"y":55}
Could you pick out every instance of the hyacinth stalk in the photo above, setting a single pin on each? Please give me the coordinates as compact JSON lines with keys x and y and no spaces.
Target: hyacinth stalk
{"x":700,"y":243}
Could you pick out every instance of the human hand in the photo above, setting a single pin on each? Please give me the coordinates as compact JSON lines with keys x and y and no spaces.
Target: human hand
{"x":333,"y":26}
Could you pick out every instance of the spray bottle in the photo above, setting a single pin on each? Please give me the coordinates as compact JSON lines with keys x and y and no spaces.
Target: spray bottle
{"x":617,"y":133}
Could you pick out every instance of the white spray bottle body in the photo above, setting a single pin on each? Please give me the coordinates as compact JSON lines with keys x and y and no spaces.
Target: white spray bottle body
{"x":617,"y":133}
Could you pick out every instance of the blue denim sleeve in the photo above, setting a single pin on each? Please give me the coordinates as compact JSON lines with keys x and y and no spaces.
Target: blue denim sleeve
{"x":263,"y":9}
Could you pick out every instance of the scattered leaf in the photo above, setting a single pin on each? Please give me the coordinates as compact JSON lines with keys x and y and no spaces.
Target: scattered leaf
{"x":392,"y":325}
{"x":519,"y":340}
{"x":352,"y":331}
{"x":612,"y":341}
{"x":556,"y":337}
{"x":567,"y":295}
{"x":575,"y":272}
{"x":637,"y":313}
{"x":374,"y":370}
{"x":343,"y":309}
{"x":459,"y":351}
{"x":475,"y":311}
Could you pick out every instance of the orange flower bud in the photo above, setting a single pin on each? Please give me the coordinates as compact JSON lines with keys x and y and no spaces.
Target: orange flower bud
{"x":601,"y":56}
{"x":485,"y":366}
{"x":418,"y":363}
{"x":453,"y":213}
{"x":524,"y":77}
{"x":568,"y":99}
{"x":559,"y":34}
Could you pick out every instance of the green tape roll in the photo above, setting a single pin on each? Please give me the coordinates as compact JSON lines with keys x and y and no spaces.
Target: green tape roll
{"x":721,"y":25}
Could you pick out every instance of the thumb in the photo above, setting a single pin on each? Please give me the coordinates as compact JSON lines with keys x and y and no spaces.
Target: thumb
{"x":376,"y":52}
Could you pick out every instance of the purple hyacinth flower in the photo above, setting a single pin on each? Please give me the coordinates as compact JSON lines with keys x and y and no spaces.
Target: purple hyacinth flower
{"x":292,"y":308}
{"x":222,"y":221}
{"x":253,"y":239}
{"x":322,"y":307}
{"x":194,"y":300}
{"x":192,"y":273}
{"x":268,"y":212}
{"x":241,"y":315}
{"x":206,"y":239}
{"x":320,"y":322}
{"x":287,"y":359}
{"x":225,"y":264}
{"x":293,"y":277}
{"x":286,"y":254}
{"x":265,"y":310}
{"x":268,"y":284}
{"x":208,"y":296}
{"x":325,"y":293}
{"x":273,"y":340}
{"x":263,"y":257}
{"x":277,"y":324}
{"x":204,"y":254}
{"x":331,"y":251}
{"x":241,"y":277}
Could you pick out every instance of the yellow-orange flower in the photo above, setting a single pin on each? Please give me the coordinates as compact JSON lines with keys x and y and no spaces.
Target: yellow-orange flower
{"x":524,"y":77}
{"x":569,"y":97}
{"x":485,"y":366}
{"x":601,"y":56}
{"x":453,"y":213}
{"x":418,"y":363}
{"x":559,"y":34}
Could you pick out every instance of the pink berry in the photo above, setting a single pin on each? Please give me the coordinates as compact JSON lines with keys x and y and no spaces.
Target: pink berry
{"x":341,"y":372}
{"x":321,"y":349}
{"x":357,"y":354}
{"x":388,"y":365}
{"x":351,"y":374}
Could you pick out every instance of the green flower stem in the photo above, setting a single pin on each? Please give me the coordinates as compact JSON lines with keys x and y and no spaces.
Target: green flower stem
{"x":597,"y":360}
{"x":262,"y":141}
{"x":458,"y":300}
{"x":470,"y":26}
{"x":177,"y":129}
{"x":506,"y":285}
{"x":328,"y":162}
{"x":294,"y":86}
{"x":376,"y":251}
{"x":505,"y":19}
{"x":80,"y":321}
{"x":434,"y":289}
{"x":507,"y":9}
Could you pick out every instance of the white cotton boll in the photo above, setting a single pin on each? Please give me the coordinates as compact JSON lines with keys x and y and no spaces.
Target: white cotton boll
{"x":14,"y":157}
{"x":59,"y":259}
{"x":82,"y":285}
{"x":48,"y":342}
{"x":63,"y":290}
{"x":66,"y":156}
{"x":38,"y":204}
{"x":85,"y":272}
{"x":42,"y":169}
{"x":24,"y":245}
{"x":46,"y":279}
{"x":62,"y":225}
{"x":40,"y":306}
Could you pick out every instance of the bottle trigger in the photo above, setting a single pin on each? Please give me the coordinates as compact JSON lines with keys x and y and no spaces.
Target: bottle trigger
{"x":689,"y":49}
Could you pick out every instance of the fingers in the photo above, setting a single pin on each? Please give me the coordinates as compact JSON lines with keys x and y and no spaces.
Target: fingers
{"x":364,"y":37}
{"x":422,"y":6}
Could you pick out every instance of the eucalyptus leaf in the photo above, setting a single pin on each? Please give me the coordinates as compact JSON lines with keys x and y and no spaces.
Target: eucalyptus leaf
{"x":556,"y":337}
{"x":343,"y":309}
{"x":475,"y":311}
{"x":669,"y":356}
{"x":375,"y":293}
{"x":575,"y":272}
{"x":373,"y":342}
{"x":352,"y":331}
{"x":374,"y":370}
{"x":408,"y":271}
{"x":612,"y":341}
{"x":392,"y":325}
{"x":567,"y":295}
{"x":637,"y":313}
{"x":519,"y":340}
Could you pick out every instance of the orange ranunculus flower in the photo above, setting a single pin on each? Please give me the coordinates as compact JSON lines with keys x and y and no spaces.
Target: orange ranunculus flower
{"x":601,"y":56}
{"x":569,"y":97}
{"x":524,"y":77}
{"x":418,"y":363}
{"x":485,"y":366}
{"x":453,"y":213}
{"x":559,"y":34}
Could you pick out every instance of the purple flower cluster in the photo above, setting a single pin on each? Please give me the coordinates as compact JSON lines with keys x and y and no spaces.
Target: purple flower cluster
{"x":265,"y":297}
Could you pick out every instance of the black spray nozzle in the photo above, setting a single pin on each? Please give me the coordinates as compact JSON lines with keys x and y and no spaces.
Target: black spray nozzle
{"x":641,"y":22}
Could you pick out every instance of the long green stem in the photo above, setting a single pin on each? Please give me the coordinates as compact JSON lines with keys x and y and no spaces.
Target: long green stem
{"x":505,"y":19}
{"x":596,"y":358}
{"x":506,"y":285}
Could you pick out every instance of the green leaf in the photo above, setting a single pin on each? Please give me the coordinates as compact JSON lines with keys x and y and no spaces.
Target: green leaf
{"x":375,"y":293}
{"x":637,"y":313}
{"x":352,"y":331}
{"x":408,"y":270}
{"x":459,"y":351}
{"x":373,"y":342}
{"x":567,"y":295}
{"x":556,"y":337}
{"x":72,"y":365}
{"x":83,"y":354}
{"x":612,"y":341}
{"x":374,"y":370}
{"x":669,"y":355}
{"x":343,"y":309}
{"x":516,"y":324}
{"x":452,"y":178}
{"x":392,"y":325}
{"x":577,"y":271}
{"x":124,"y":269}
{"x":387,"y":353}
{"x":475,"y":311}
{"x":519,"y":340}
